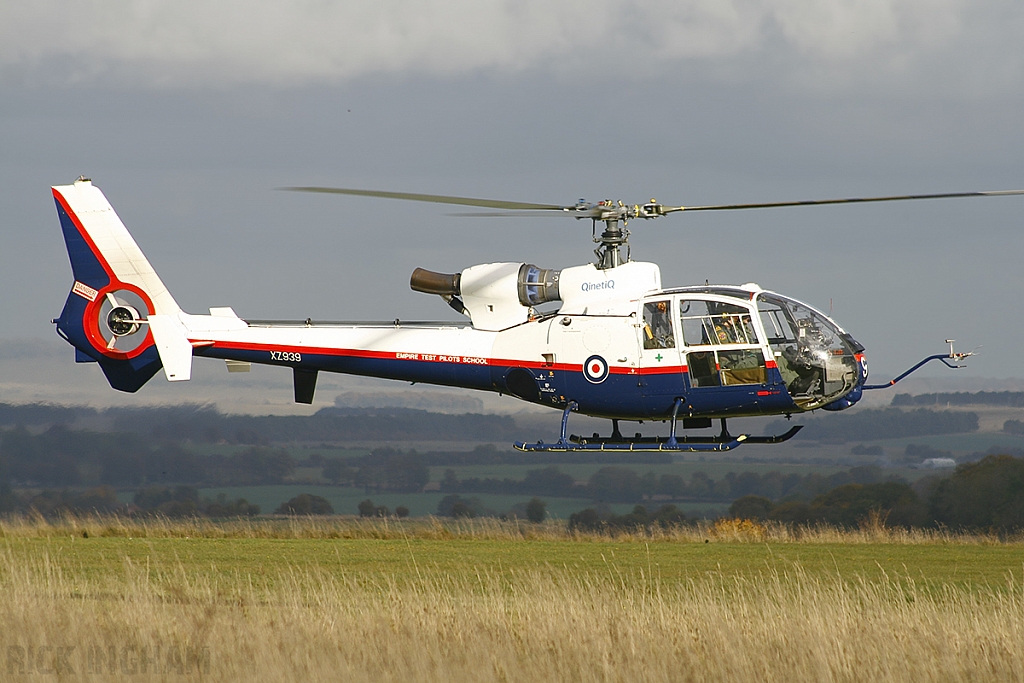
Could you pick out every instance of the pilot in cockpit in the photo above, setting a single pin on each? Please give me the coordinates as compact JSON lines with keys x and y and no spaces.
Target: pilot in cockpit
{"x":800,"y":362}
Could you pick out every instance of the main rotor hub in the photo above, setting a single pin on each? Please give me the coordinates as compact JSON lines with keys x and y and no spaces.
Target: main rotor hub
{"x":614,"y":236}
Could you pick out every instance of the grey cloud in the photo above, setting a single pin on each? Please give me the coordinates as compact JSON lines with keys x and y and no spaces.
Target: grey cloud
{"x":188,"y":114}
{"x":188,"y":42}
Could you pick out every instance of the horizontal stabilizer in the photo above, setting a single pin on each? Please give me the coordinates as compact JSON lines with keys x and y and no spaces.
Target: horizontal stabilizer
{"x":173,"y":346}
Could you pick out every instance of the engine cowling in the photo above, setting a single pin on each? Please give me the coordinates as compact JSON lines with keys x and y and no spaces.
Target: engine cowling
{"x":494,"y":295}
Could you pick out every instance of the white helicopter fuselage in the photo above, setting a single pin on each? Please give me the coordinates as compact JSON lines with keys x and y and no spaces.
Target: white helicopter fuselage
{"x":617,"y":345}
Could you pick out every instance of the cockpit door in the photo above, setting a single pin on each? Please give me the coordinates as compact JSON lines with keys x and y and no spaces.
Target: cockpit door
{"x":721,"y":346}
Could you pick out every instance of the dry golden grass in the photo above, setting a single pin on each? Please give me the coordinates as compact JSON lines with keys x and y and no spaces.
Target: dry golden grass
{"x":871,"y":531}
{"x":537,"y":625}
{"x":75,"y":610}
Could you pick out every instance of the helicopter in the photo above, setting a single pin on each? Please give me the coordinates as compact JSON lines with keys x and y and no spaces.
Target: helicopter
{"x":603,"y":339}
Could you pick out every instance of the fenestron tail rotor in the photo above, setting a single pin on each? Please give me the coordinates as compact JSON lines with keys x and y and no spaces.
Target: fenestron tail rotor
{"x":616,"y":214}
{"x":119,"y":319}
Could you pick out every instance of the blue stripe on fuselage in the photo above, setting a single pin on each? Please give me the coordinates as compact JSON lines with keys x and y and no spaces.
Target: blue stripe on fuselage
{"x":620,"y":395}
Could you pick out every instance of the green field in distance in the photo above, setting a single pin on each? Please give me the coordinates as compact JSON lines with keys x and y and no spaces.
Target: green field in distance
{"x":972,"y":566}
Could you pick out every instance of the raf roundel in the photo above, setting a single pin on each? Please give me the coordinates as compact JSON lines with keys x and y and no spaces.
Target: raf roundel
{"x":595,"y":369}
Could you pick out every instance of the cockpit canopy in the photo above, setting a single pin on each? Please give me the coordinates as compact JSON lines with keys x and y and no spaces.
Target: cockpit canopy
{"x":816,"y":357}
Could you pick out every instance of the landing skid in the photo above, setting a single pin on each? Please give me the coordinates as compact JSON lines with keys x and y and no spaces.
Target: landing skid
{"x":646,"y":444}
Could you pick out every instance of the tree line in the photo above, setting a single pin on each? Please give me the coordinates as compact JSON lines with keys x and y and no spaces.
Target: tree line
{"x":617,"y":484}
{"x":62,"y":457}
{"x":167,"y":501}
{"x":59,"y":456}
{"x":881,"y":423}
{"x":205,"y":424}
{"x":1012,"y":399}
{"x":984,"y":495}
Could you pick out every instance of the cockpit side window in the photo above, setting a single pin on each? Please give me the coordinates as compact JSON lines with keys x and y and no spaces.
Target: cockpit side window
{"x":707,"y":323}
{"x":777,"y":323}
{"x":658,"y":332}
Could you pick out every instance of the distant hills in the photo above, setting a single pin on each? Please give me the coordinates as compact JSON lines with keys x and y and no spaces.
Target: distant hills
{"x":206,"y":424}
{"x":1012,"y":399}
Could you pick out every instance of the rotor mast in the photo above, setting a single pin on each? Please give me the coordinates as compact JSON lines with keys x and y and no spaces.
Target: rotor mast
{"x":613,"y":237}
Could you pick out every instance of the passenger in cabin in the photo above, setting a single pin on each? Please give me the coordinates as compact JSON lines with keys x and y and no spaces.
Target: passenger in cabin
{"x":658,"y":326}
{"x":734,"y":329}
{"x":748,"y":330}
{"x":725,"y":330}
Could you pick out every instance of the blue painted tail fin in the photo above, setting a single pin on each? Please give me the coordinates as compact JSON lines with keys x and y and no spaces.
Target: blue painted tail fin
{"x":115,"y":291}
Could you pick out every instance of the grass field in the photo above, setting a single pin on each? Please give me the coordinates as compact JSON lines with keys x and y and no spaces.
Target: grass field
{"x":352,"y":600}
{"x":399,"y":559}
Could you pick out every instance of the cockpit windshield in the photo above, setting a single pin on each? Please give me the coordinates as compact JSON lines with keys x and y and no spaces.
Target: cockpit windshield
{"x":814,"y":356}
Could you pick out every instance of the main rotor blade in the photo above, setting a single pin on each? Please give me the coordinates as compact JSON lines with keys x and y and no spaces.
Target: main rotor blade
{"x":433,"y":198}
{"x":526,"y":213}
{"x":852,"y":200}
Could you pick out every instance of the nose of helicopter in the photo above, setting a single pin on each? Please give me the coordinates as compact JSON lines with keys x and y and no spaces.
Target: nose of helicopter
{"x":855,"y":394}
{"x":862,"y":364}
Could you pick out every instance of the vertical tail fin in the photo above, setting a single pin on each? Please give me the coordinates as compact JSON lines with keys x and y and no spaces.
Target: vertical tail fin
{"x":115,"y":292}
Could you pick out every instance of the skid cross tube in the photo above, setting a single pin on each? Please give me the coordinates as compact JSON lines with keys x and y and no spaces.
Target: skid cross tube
{"x":724,"y":442}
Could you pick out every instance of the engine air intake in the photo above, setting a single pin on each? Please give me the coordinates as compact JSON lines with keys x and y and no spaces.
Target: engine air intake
{"x":537,"y":285}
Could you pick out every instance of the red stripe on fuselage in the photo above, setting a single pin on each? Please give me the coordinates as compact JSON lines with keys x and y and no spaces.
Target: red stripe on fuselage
{"x":662,"y":370}
{"x":440,"y":358}
{"x":417,"y":357}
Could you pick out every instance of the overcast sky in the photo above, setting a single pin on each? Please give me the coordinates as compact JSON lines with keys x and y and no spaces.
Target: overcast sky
{"x":188,"y":115}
